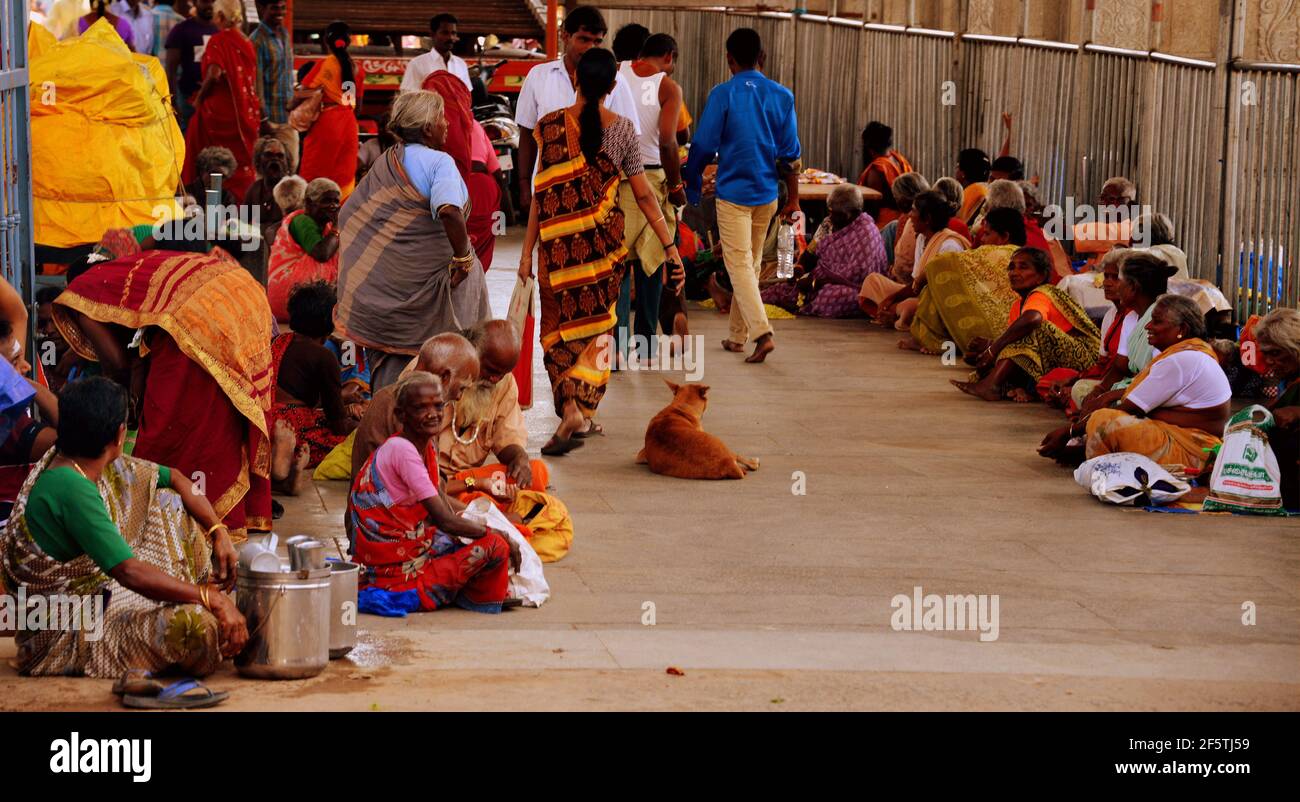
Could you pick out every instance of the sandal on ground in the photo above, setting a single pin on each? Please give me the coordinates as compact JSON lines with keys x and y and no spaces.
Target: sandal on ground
{"x":277,"y":510}
{"x":511,"y":603}
{"x":592,"y":430}
{"x":558,"y":448}
{"x":187,"y":694}
{"x":137,"y":682}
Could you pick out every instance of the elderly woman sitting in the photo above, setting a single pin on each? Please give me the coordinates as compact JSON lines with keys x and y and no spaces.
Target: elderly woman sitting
{"x":213,"y":159}
{"x":125,"y":533}
{"x":1174,"y":410}
{"x":306,"y":247}
{"x":900,"y":236}
{"x":1046,"y":330}
{"x":406,"y":534}
{"x":406,"y":271}
{"x":1278,"y":337}
{"x":1006,"y":194}
{"x":846,"y":249}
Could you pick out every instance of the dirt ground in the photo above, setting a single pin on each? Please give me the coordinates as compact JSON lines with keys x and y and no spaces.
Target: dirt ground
{"x":769,"y":599}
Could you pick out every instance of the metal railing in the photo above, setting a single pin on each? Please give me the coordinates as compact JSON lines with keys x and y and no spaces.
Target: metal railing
{"x":15,"y":150}
{"x":1215,"y":147}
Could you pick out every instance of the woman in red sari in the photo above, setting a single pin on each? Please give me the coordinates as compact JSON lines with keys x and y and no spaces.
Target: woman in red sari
{"x":227,"y":110}
{"x":202,"y":385}
{"x":465,"y":144}
{"x":330,"y":148}
{"x":405,"y":534}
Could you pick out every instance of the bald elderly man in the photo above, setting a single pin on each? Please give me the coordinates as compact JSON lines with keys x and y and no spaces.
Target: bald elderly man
{"x":486,"y":420}
{"x":450,"y":357}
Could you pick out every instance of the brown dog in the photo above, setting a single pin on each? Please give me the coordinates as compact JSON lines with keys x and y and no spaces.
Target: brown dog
{"x":676,"y":444}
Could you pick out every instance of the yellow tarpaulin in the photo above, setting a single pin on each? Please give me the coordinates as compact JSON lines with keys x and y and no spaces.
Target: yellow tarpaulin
{"x":106,"y":149}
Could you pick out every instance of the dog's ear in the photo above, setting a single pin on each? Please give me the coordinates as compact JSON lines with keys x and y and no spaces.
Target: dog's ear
{"x":703,"y":390}
{"x":672,"y":388}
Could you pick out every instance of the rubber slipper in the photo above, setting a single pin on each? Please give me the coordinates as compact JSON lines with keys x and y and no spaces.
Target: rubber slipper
{"x":558,"y":448}
{"x":179,"y":696}
{"x":137,"y":682}
{"x":591,"y":431}
{"x":277,"y":510}
{"x":509,"y":604}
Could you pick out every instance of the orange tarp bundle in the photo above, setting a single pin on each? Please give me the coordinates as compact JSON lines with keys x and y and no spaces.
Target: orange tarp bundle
{"x":106,"y":149}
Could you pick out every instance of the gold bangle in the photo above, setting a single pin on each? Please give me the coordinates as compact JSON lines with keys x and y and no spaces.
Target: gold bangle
{"x":215,"y":527}
{"x":203,"y":597}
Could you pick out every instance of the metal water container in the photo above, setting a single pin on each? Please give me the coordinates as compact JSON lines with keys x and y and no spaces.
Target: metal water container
{"x":288,"y":616}
{"x":343,"y":607}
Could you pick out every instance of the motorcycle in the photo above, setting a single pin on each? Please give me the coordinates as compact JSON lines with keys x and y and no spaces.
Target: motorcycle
{"x":496,"y":114}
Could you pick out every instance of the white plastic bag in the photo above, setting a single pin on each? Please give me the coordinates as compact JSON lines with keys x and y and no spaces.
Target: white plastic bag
{"x":529,"y":583}
{"x":1130,"y":479}
{"x":1246,"y":476}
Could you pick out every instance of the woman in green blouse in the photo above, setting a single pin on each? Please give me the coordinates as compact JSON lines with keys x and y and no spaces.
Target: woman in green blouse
{"x":90,"y":521}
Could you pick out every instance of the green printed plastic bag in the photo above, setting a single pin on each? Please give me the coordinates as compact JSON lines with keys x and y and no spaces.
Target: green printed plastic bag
{"x":1246,"y":476}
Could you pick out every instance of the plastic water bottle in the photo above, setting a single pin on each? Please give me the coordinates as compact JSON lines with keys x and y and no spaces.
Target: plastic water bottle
{"x":785,"y":251}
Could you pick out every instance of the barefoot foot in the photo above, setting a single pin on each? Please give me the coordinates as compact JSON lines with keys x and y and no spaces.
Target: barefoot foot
{"x":735,"y":348}
{"x":283,"y":441}
{"x":762,"y":347}
{"x":977,"y":389}
{"x":299,"y":477}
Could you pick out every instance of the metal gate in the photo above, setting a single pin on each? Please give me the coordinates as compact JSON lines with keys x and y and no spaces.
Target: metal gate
{"x":15,"y":150}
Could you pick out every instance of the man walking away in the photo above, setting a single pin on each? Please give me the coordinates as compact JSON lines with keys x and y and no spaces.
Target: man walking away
{"x":749,"y":124}
{"x":659,"y":105}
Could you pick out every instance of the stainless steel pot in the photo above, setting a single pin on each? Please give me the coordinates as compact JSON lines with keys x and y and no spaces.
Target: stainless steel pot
{"x":343,"y":607}
{"x":289,"y":618}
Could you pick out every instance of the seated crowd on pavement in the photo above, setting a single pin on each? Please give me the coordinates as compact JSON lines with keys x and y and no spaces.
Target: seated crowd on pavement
{"x":360,"y":345}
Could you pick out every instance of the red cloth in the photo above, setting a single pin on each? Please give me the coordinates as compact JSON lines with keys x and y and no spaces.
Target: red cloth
{"x":1034,"y":237}
{"x":485,"y":203}
{"x":401,"y":549}
{"x":458,"y":110}
{"x":484,"y":192}
{"x":230,"y":114}
{"x":188,"y":424}
{"x":959,"y":226}
{"x":330,"y":148}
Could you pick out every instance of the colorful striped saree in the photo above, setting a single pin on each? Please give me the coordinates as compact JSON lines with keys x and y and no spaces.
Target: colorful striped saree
{"x":580,"y":261}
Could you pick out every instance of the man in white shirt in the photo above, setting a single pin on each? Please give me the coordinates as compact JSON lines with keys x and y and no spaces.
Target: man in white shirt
{"x":445,"y":36}
{"x":550,"y":87}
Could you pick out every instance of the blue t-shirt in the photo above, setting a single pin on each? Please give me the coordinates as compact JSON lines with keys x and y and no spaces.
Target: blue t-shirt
{"x":434,"y":173}
{"x":749,"y":124}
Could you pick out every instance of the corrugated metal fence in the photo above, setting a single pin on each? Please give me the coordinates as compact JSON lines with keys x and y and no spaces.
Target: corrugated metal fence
{"x":1080,"y":115}
{"x":15,"y":152}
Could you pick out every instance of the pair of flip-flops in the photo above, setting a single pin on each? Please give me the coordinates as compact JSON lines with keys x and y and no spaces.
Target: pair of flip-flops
{"x":139,"y":689}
